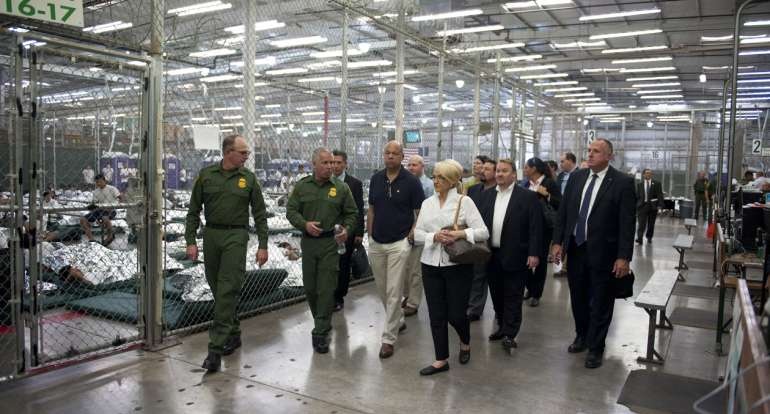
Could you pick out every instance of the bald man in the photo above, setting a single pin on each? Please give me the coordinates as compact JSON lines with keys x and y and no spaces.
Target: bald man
{"x":395,"y":197}
{"x":416,"y":166}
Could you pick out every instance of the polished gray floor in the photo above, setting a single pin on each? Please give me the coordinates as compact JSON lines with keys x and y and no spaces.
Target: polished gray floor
{"x":276,"y":371}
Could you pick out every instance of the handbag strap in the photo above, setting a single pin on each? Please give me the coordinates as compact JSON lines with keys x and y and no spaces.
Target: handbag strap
{"x":457,"y":211}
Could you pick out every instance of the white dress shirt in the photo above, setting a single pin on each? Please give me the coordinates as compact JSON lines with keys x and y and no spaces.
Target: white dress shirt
{"x":501,"y":206}
{"x":597,"y":185}
{"x":433,"y":217}
{"x":535,"y":185}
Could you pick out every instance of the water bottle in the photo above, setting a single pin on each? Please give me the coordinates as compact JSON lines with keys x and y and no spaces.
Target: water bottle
{"x":340,"y":244}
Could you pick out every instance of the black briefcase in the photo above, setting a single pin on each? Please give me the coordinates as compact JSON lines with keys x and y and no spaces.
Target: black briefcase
{"x":623,"y":287}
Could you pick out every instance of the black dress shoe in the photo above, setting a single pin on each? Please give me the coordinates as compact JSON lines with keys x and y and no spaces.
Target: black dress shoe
{"x":593,"y":360}
{"x":320,"y":344}
{"x":232,"y":343}
{"x":473,"y":317}
{"x":649,"y":241}
{"x":579,"y":345}
{"x":509,"y":343}
{"x":638,"y":241}
{"x":212,"y":363}
{"x":534,"y":302}
{"x":338,"y":306}
{"x":527,"y":295}
{"x":496,"y":336}
{"x":464,"y":356}
{"x":402,"y":328}
{"x":430,"y":369}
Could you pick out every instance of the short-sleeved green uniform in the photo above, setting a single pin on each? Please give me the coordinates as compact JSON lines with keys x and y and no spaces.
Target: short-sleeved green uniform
{"x":225,"y":197}
{"x":329,"y":203}
{"x":700,"y":187}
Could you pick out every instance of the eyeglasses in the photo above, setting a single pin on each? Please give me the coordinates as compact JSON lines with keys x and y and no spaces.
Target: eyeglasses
{"x":244,"y":153}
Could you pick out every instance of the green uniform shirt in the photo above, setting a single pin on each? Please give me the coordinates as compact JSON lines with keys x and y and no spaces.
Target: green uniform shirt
{"x":329,"y":203}
{"x":700,"y":186}
{"x":226,"y":196}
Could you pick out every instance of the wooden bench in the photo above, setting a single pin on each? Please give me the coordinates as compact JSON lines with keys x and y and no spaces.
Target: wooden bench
{"x":654,"y":299}
{"x":683,"y":243}
{"x":689,"y":223}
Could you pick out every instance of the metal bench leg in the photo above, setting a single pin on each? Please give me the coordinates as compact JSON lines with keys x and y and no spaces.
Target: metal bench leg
{"x":652,"y":357}
{"x":682,"y":265}
{"x":689,"y":229}
{"x":664,"y":322}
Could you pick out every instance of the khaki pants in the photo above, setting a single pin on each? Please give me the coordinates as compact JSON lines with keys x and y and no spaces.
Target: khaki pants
{"x":388,"y":262}
{"x":413,"y":278}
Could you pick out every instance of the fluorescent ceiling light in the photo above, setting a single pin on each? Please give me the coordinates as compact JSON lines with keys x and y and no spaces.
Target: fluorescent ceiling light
{"x":573,"y":95}
{"x":752,"y":88}
{"x":635,"y":49}
{"x":576,"y":88}
{"x":221,"y":78}
{"x":579,"y":44}
{"x":334,"y":121}
{"x":298,"y":41}
{"x":476,"y":29}
{"x":229,"y":41}
{"x":767,"y":98}
{"x":655,"y":69}
{"x":753,"y":80}
{"x":258,"y":26}
{"x":318,"y":79}
{"x":362,"y":49}
{"x":755,"y":52}
{"x":755,"y":40}
{"x":484,"y":48}
{"x":410,"y":87}
{"x":661,"y":96}
{"x":287,"y":71}
{"x":715,"y":38}
{"x":557,"y":83}
{"x":266,"y":61}
{"x":753,"y":93}
{"x":530,"y":68}
{"x":394,"y":73}
{"x":108,"y":27}
{"x":232,"y":117}
{"x":582,"y":100}
{"x":641,"y":60}
{"x":447,"y":15}
{"x":313,"y":113}
{"x":654,"y":85}
{"x":545,"y":76}
{"x":619,"y":14}
{"x":610,"y":120}
{"x":187,"y":71}
{"x":757,"y":23}
{"x":228,"y":108}
{"x":270,"y":116}
{"x":199,"y":119}
{"x":653,"y":78}
{"x":534,"y":3}
{"x":515,"y":58}
{"x":716,"y":67}
{"x":199,"y":8}
{"x":625,"y":34}
{"x":369,"y":64}
{"x":600,"y":70}
{"x":753,"y":73}
{"x":323,"y":65}
{"x":646,"y":91}
{"x":213,"y":53}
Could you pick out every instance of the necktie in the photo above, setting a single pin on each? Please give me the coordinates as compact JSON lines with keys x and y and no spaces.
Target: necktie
{"x":580,"y":231}
{"x":646,"y":191}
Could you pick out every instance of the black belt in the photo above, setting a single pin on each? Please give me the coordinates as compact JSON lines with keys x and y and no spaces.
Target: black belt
{"x":324,"y":234}
{"x":226,"y":226}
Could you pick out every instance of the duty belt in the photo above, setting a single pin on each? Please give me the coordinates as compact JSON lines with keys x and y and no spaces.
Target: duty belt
{"x":227,"y":226}
{"x":324,"y":234}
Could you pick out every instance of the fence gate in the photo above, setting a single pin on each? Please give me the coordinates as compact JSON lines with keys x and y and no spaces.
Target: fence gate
{"x":70,"y":267}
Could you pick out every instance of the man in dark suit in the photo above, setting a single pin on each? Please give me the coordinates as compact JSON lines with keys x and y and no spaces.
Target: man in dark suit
{"x":478,"y":297}
{"x":514,"y":217}
{"x":596,"y":228}
{"x":356,"y":235}
{"x":649,"y":196}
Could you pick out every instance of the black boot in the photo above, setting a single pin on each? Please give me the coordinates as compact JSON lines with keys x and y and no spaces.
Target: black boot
{"x":232,"y":343}
{"x":212,"y":363}
{"x":320,"y":344}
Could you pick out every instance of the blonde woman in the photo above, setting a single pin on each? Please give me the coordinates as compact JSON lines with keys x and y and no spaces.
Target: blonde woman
{"x":447,"y":284}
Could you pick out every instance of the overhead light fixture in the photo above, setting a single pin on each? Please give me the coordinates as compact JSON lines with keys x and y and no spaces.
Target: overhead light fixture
{"x":642,"y":60}
{"x":716,"y":67}
{"x":485,"y":48}
{"x":534,"y":3}
{"x":579,"y":44}
{"x":410,"y":87}
{"x":652,"y":78}
{"x":515,"y":58}
{"x":394,"y":73}
{"x":270,"y":116}
{"x":600,"y":70}
{"x":229,"y":41}
{"x":716,"y":38}
{"x":228,"y":108}
{"x":767,"y":98}
{"x":754,"y":52}
{"x":228,"y":117}
{"x":317,"y":113}
{"x":661,"y":96}
{"x":108,"y":27}
{"x":640,"y":70}
{"x":545,"y":76}
{"x":317,"y":79}
{"x":187,"y":71}
{"x":360,"y":50}
{"x":556,"y":83}
{"x":753,"y":73}
{"x":752,"y":88}
{"x":213,"y":53}
{"x":655,"y":85}
{"x":572,"y":89}
{"x":258,"y":26}
{"x":582,"y":99}
{"x":475,"y":29}
{"x":649,"y":124}
{"x":287,"y":71}
{"x":460,"y":83}
{"x":298,"y":41}
{"x":619,"y":14}
{"x":369,"y":64}
{"x":447,"y":15}
{"x":220,"y":78}
{"x":702,"y":78}
{"x":200,"y":8}
{"x":635,"y":49}
{"x":530,"y":68}
{"x":649,"y":91}
{"x":574,"y":95}
{"x":757,"y":23}
{"x":625,"y":34}
{"x":753,"y":80}
{"x":755,"y":40}
{"x":266,"y":61}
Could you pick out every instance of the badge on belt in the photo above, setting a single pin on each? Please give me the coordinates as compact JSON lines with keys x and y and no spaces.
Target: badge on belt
{"x":241,"y":182}
{"x":333,"y":192}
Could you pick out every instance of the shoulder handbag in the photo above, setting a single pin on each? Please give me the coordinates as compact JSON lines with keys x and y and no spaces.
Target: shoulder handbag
{"x":462,"y":251}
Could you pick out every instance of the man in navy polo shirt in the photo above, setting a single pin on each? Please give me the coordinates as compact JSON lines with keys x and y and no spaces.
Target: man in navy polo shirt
{"x":395,"y":197}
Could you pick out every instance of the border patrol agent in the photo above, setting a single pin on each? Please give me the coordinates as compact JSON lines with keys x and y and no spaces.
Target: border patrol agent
{"x":227,"y":190}
{"x":316,"y":204}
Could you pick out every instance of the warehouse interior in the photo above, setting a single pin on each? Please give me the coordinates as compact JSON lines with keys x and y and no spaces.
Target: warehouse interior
{"x":144,"y":91}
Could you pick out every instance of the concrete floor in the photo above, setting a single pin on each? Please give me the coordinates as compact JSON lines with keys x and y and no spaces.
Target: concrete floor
{"x":277,"y":372}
